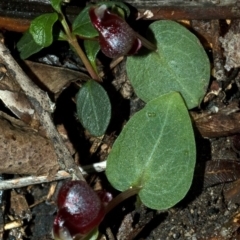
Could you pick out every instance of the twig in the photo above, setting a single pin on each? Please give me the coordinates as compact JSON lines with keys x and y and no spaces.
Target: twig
{"x":110,"y":234}
{"x":217,"y":52}
{"x":147,"y":44}
{"x":179,"y":12}
{"x":14,"y":224}
{"x":96,"y":167}
{"x":26,"y":181}
{"x":43,"y":107}
{"x":113,"y":64}
{"x":16,"y":17}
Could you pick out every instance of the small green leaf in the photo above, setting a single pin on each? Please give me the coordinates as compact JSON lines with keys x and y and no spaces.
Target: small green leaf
{"x":155,"y":150}
{"x":27,"y":46}
{"x":82,"y":25}
{"x":92,"y":48}
{"x":180,"y":64}
{"x":56,"y":4}
{"x":41,"y":29}
{"x":93,"y":108}
{"x":60,"y":36}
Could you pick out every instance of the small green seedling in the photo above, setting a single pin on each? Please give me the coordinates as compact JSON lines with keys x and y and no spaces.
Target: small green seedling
{"x":155,"y":151}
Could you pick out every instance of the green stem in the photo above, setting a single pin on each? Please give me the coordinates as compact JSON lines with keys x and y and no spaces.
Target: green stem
{"x":85,"y":60}
{"x":74,"y":43}
{"x":121,"y":197}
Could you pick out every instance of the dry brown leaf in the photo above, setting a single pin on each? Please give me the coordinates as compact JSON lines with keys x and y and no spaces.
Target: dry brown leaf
{"x":23,"y":151}
{"x":224,"y":122}
{"x":55,"y":79}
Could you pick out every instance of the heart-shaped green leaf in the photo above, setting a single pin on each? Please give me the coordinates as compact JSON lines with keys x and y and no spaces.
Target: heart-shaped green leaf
{"x":82,"y":25}
{"x":180,"y":64}
{"x":27,"y":46}
{"x":92,"y":48}
{"x":93,"y":108}
{"x":155,"y":150}
{"x":41,"y":29}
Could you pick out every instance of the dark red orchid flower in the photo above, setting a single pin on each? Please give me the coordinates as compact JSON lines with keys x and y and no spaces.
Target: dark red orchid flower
{"x":116,"y":37}
{"x":80,"y":211}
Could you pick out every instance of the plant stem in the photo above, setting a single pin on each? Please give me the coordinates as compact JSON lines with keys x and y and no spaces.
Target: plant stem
{"x":72,"y":40}
{"x":85,"y":60}
{"x":146,"y":43}
{"x":121,"y":197}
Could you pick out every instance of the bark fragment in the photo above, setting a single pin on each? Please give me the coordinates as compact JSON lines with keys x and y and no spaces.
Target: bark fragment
{"x":25,"y":152}
{"x":231,"y":45}
{"x":221,"y":171}
{"x":19,"y":206}
{"x":225,"y":122}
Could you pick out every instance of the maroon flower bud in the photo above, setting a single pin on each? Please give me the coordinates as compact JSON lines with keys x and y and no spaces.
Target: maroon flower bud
{"x":116,"y":37}
{"x":80,"y":211}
